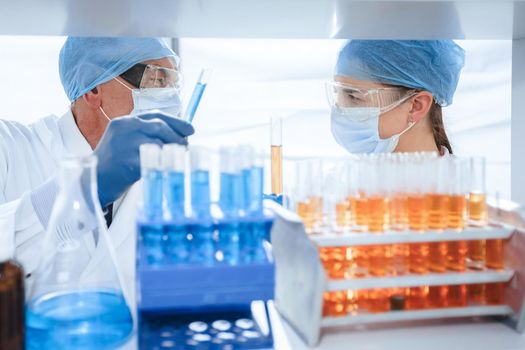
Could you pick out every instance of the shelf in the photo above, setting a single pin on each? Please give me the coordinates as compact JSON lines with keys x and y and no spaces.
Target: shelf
{"x":430,"y":279}
{"x":315,"y":19}
{"x":396,"y":316}
{"x":391,"y":237}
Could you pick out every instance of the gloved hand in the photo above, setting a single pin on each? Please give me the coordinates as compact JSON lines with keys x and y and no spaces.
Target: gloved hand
{"x":118,"y":150}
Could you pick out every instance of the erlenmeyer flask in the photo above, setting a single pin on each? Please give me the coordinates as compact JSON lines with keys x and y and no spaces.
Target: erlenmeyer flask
{"x":77,"y":300}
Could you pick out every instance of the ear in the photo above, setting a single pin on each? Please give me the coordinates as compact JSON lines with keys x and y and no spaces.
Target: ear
{"x":421,"y":104}
{"x":93,"y":98}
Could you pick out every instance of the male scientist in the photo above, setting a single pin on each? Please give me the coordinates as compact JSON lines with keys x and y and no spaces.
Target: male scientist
{"x":113,"y":85}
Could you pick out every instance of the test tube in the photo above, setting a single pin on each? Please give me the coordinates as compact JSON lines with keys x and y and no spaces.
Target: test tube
{"x":375,"y":191}
{"x":151,"y":173}
{"x":231,"y":182}
{"x":398,"y":207}
{"x":196,"y":96}
{"x":477,"y":212}
{"x":276,"y":155}
{"x":229,"y":229}
{"x":152,"y":230}
{"x":174,"y":164}
{"x":459,"y":170}
{"x":437,"y":203}
{"x":203,"y":247}
{"x":417,"y":176}
{"x":177,"y":246}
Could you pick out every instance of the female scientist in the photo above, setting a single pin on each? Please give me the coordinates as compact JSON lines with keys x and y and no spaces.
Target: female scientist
{"x":387,"y":95}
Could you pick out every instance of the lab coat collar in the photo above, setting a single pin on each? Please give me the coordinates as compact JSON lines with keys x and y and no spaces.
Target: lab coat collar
{"x":74,"y":142}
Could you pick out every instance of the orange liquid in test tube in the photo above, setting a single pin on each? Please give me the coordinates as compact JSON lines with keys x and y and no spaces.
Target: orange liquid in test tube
{"x":478,"y":213}
{"x":457,"y":296}
{"x":398,"y":211}
{"x":457,"y":212}
{"x":457,"y":251}
{"x":437,"y":296}
{"x":360,"y":212}
{"x":476,"y":293}
{"x":342,"y":214}
{"x":379,"y":255}
{"x":437,"y":205}
{"x":495,"y":254}
{"x":417,"y":298}
{"x":417,"y":221}
{"x":334,"y":303}
{"x":476,"y":254}
{"x":495,"y":293}
{"x":379,"y":300}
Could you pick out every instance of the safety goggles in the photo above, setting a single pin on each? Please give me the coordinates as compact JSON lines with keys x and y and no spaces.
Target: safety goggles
{"x":344,"y":96}
{"x":145,"y":76}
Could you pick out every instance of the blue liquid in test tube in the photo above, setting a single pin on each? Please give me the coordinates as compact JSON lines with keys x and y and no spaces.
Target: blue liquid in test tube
{"x":177,"y":245}
{"x":230,"y":203}
{"x":152,"y":229}
{"x":253,"y":231}
{"x":203,"y":245}
{"x":196,"y":96}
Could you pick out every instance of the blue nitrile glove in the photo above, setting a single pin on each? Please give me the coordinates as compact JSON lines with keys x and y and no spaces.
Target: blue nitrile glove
{"x":118,"y":150}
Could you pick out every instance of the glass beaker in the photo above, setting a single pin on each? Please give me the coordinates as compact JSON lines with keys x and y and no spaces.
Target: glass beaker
{"x":77,"y":299}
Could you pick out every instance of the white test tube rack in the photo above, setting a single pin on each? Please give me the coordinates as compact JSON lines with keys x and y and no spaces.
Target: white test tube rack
{"x":301,"y":280}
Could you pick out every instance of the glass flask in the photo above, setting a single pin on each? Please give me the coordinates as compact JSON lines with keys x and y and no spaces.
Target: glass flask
{"x":77,"y":300}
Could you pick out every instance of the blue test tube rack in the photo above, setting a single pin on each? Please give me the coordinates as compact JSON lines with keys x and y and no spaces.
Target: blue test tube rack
{"x":196,"y":265}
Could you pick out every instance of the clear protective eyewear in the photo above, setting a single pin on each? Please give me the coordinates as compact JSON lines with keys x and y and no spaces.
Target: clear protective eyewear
{"x":344,"y":96}
{"x":147,"y":76}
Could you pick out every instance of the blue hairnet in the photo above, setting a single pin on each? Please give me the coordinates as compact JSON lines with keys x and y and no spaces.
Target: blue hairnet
{"x":85,"y":62}
{"x":431,"y":65}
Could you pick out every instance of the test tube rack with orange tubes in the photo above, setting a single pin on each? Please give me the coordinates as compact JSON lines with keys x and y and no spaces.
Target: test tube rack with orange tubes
{"x":311,"y":300}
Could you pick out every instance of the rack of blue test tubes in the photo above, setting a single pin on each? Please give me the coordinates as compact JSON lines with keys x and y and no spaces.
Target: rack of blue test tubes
{"x":202,"y":261}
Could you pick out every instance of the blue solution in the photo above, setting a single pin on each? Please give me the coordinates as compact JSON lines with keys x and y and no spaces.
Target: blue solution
{"x":174,"y":183}
{"x":253,"y":234}
{"x":229,"y":242}
{"x":153,"y":238}
{"x":153,"y":194}
{"x":200,"y":194}
{"x":230,"y":199}
{"x":95,"y":319}
{"x":252,"y":188}
{"x":177,"y":247}
{"x":202,"y":244}
{"x":194,"y":101}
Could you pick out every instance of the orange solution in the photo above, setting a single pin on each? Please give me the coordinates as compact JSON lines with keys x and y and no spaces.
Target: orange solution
{"x":476,"y":254}
{"x":476,"y":293}
{"x":379,"y":255}
{"x":417,"y":221}
{"x":398,"y":212}
{"x":400,"y":254}
{"x":342,"y":214}
{"x":417,"y":298}
{"x":379,"y":300}
{"x":437,"y":296}
{"x":437,"y":205}
{"x":478,"y":213}
{"x":495,"y":293}
{"x":457,"y":296}
{"x":495,"y":254}
{"x":360,"y":212}
{"x":457,"y":250}
{"x":334,"y":303}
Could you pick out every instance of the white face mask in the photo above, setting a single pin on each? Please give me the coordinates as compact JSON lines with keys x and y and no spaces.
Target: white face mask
{"x":357,"y":130}
{"x":166,"y":100}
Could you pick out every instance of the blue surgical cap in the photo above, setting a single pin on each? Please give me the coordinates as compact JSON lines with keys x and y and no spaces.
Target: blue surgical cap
{"x":431,"y":65}
{"x":86,"y":62}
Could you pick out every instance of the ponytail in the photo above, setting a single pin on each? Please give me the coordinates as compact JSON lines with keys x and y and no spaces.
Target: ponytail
{"x":438,"y":128}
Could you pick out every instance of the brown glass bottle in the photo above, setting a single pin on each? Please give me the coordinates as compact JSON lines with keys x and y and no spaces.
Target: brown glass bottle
{"x":11,"y":306}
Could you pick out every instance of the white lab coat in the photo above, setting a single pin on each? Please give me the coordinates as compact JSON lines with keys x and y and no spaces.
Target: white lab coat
{"x":29,"y":159}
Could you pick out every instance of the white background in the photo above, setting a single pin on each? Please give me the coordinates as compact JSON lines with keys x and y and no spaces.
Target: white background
{"x":256,"y":79}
